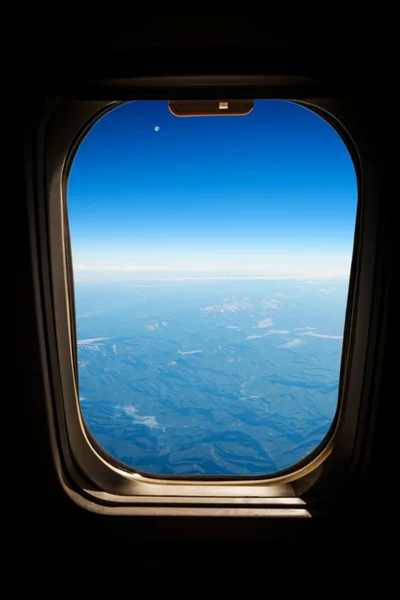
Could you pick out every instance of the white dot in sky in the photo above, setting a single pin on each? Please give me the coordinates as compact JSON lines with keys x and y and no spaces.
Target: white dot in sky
{"x":156,"y":128}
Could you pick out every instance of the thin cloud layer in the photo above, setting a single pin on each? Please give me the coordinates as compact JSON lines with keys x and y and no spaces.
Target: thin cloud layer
{"x":264,"y":323}
{"x":278,"y":331}
{"x":148,"y":420}
{"x":256,"y":337}
{"x":91,"y":341}
{"x":322,"y":335}
{"x":292,"y":344}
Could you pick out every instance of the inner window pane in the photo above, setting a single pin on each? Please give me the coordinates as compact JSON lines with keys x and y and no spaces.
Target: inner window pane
{"x":211,"y":265}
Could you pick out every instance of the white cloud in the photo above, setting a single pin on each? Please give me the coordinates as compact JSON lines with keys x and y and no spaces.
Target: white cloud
{"x":256,"y":337}
{"x":269,"y":332}
{"x":130,"y":410}
{"x":164,"y":324}
{"x":264,"y":323}
{"x":233,"y":327}
{"x":231,"y":304}
{"x":279,"y":331}
{"x":271,"y":303}
{"x":150,"y":421}
{"x":189,"y":352}
{"x":228,"y":307}
{"x":292,"y":344}
{"x":147,"y":420}
{"x":152,"y":326}
{"x":303,"y":328}
{"x":91,"y":341}
{"x":323,"y":335}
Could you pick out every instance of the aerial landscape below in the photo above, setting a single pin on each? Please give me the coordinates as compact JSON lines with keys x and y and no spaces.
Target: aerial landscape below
{"x":220,"y":378}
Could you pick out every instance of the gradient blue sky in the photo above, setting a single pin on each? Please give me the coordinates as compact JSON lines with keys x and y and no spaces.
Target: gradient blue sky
{"x":271,"y":194}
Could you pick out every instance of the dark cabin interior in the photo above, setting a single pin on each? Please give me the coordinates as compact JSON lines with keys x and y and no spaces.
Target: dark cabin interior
{"x":338,"y":63}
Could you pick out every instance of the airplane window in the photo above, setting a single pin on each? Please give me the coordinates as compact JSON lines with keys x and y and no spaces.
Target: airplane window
{"x":211,"y":269}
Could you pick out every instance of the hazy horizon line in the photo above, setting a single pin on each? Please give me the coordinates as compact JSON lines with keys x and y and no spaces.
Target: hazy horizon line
{"x":305,"y":278}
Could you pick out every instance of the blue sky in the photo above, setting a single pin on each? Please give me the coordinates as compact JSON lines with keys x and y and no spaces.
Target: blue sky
{"x":270,"y":194}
